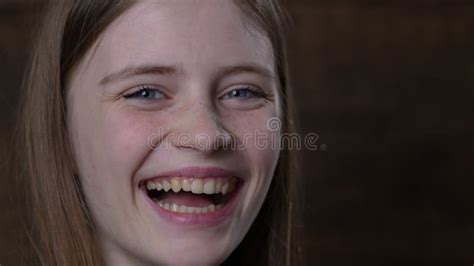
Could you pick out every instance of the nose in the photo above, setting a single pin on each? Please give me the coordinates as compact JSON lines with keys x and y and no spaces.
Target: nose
{"x":200,"y":128}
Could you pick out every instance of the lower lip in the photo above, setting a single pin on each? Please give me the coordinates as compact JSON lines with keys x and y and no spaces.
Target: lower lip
{"x":202,"y":219}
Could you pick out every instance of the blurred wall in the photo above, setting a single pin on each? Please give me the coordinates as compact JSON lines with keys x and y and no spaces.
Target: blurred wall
{"x":388,"y":87}
{"x":16,"y":20}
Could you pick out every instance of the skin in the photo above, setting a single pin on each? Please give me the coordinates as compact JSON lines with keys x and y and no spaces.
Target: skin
{"x":110,"y":133}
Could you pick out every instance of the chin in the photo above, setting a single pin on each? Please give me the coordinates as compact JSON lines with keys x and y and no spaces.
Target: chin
{"x":191,"y":252}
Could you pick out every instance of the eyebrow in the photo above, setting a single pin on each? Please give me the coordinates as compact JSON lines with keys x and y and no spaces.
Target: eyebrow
{"x":245,"y":68}
{"x":129,"y":72}
{"x":139,"y":70}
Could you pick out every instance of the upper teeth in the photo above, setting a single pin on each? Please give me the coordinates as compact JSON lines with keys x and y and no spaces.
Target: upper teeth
{"x":195,"y":185}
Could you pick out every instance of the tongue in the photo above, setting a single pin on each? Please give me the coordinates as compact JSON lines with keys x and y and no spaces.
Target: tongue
{"x":187,"y":199}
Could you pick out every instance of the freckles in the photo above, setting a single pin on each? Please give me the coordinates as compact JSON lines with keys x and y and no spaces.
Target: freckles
{"x":253,"y":123}
{"x":124,"y":134}
{"x":137,"y":131}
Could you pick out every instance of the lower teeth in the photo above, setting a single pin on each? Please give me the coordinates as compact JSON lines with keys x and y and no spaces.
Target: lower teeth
{"x":173,"y":207}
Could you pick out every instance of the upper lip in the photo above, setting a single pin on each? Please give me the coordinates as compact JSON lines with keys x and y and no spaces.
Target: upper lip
{"x":196,"y":172}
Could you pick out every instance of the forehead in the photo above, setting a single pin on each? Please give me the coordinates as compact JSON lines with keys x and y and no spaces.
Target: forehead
{"x":193,"y":34}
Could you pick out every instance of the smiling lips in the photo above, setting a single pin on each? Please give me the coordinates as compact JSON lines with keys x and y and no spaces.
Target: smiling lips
{"x":192,"y":191}
{"x":191,"y":195}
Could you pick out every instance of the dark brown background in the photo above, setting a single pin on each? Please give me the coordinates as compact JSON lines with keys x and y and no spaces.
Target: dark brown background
{"x":388,"y":87}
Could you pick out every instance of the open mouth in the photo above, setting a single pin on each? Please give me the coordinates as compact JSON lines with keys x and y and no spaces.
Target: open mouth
{"x":191,"y":195}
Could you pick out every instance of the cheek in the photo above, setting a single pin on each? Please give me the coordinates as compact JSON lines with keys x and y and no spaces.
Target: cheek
{"x":126,"y":140}
{"x":260,"y":147}
{"x":111,"y":147}
{"x":259,"y":142}
{"x":125,"y":137}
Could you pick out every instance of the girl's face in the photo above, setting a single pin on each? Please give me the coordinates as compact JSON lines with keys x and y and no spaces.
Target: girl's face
{"x":168,"y":117}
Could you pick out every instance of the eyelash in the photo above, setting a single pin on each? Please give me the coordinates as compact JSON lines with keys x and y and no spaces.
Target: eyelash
{"x":257,"y":92}
{"x":144,"y":88}
{"x":149,"y":88}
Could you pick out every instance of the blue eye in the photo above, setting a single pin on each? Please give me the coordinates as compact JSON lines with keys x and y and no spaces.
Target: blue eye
{"x":245,"y":92}
{"x":146,"y":92}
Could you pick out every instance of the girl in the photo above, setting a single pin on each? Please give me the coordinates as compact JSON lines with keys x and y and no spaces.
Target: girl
{"x":140,"y":134}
